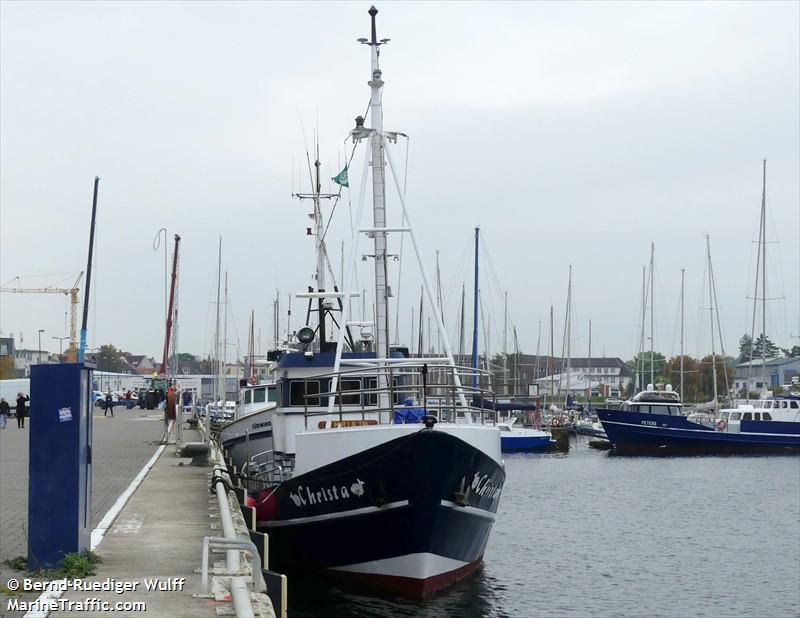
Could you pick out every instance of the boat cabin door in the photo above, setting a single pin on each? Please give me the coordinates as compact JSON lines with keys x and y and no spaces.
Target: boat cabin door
{"x":735,"y":422}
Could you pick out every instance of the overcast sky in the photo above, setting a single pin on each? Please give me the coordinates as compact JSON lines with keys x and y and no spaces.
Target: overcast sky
{"x":571,"y":133}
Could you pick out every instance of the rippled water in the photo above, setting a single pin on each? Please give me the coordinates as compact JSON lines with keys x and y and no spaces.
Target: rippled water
{"x":589,"y":534}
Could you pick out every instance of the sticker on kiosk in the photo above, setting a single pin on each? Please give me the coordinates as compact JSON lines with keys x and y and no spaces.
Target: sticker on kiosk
{"x":64,"y":415}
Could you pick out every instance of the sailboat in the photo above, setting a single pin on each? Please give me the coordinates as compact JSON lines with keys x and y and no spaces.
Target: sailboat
{"x":377,"y":475}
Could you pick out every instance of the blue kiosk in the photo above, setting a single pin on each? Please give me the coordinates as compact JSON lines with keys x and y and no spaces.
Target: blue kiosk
{"x":60,"y":463}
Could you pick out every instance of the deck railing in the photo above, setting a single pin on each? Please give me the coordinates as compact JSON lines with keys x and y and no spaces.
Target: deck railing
{"x":432,"y":387}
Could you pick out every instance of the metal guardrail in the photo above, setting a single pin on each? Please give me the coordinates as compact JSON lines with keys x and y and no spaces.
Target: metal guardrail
{"x":240,"y":581}
{"x":433,"y":386}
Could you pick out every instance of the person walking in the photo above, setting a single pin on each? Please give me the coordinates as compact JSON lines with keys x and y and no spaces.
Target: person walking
{"x":5,"y":411}
{"x":109,"y":404}
{"x":22,"y":409}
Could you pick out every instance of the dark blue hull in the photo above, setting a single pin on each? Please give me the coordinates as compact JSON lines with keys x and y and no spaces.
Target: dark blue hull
{"x":517,"y":444}
{"x":409,"y":516}
{"x":635,"y":432}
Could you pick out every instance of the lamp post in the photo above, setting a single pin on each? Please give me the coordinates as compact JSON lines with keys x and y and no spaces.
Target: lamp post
{"x":39,"y":358}
{"x":60,"y":343}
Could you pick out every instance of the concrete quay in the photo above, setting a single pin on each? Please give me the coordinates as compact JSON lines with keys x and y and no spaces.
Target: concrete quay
{"x":152,"y":548}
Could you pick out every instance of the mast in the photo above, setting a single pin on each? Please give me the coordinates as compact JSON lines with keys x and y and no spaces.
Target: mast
{"x":438,"y":303}
{"x":251,"y":378}
{"x":589,"y":396}
{"x":378,"y":202}
{"x":549,"y":358}
{"x":421,"y":337}
{"x":652,"y":322}
{"x":640,"y":364}
{"x":475,"y":315}
{"x":225,"y":327}
{"x":82,"y":348}
{"x":516,"y":361}
{"x":568,"y":334}
{"x":276,"y":317}
{"x":683,"y":272}
{"x":538,"y":351}
{"x":764,"y":276}
{"x":505,"y":344}
{"x":216,"y":330}
{"x":711,"y":314}
{"x":462,"y":334}
{"x":165,"y":358}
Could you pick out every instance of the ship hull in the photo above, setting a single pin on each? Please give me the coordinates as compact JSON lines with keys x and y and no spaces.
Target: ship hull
{"x":409,"y":516}
{"x":247,"y":436}
{"x":512,"y":444}
{"x":635,"y":432}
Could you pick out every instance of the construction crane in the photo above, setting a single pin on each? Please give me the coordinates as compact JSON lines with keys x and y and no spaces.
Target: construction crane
{"x":73,"y":308}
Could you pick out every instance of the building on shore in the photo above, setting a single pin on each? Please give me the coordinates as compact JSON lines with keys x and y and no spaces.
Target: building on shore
{"x":781,"y":372}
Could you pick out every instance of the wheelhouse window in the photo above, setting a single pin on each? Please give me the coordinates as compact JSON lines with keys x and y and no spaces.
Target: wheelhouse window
{"x":756,"y":416}
{"x":350,"y":385}
{"x":247,"y":395}
{"x":735,"y":416}
{"x":767,"y":416}
{"x":272,"y":393}
{"x":747,"y":416}
{"x":725,"y":415}
{"x":260,"y":395}
{"x":299,"y":388}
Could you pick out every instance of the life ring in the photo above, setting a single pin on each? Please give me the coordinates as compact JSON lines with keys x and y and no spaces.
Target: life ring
{"x":556,"y":422}
{"x":721,"y":424}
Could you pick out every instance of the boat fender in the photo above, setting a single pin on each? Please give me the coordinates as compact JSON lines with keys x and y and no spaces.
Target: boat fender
{"x":721,"y":424}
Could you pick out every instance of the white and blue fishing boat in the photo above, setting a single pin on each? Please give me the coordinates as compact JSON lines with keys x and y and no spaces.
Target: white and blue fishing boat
{"x":527,"y":439}
{"x":653,"y":423}
{"x":362,"y":486}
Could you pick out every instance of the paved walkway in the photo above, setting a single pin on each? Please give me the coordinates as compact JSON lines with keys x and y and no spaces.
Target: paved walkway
{"x":157,"y":540}
{"x":121,"y":447}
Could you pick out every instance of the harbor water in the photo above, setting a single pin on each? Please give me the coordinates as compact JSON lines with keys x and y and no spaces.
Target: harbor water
{"x":590,"y":534}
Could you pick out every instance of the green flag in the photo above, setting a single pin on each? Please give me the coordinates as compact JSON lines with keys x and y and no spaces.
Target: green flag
{"x":341,"y":178}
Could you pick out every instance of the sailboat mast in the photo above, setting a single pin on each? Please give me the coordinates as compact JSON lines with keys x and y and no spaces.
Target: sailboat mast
{"x":549,"y":358}
{"x":516,"y":361}
{"x":505,"y":344}
{"x":462,"y":334}
{"x":683,"y":272}
{"x":640,"y":364}
{"x":216,"y":330}
{"x":589,"y":396}
{"x":711,"y":314}
{"x":475,"y":316}
{"x":538,"y":348}
{"x":764,"y":276}
{"x":652,"y":321}
{"x":438,"y":303}
{"x":565,"y":347}
{"x":225,"y":326}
